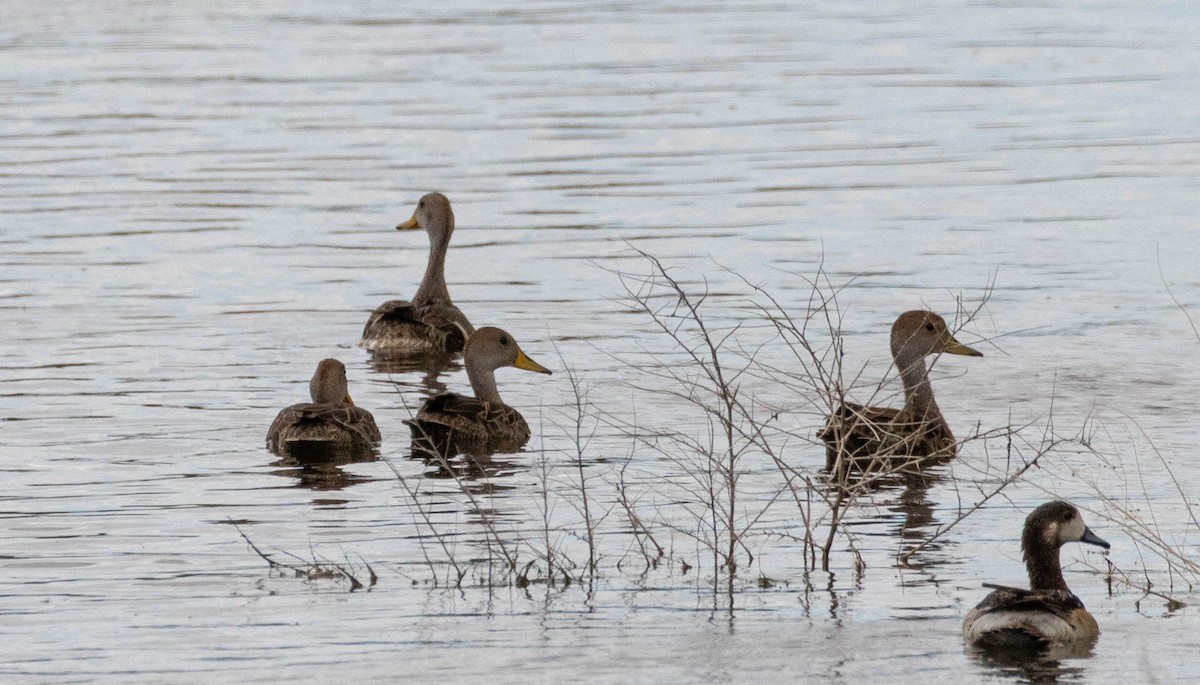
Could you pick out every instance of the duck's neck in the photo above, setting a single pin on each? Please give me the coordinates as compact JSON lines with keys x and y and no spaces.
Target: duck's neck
{"x":483,"y":383}
{"x":1045,"y":572}
{"x":433,"y":285}
{"x":918,"y":393}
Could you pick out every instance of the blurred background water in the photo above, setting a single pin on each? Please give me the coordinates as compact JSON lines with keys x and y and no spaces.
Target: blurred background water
{"x":197,"y":202}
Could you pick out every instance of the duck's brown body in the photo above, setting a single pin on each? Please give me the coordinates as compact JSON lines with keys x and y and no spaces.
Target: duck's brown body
{"x":331,"y":419}
{"x":333,"y":424}
{"x":470,"y":424}
{"x":403,"y":327}
{"x":863,"y":435}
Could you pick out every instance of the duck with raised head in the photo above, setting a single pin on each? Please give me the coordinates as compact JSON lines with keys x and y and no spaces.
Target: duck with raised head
{"x":482,"y":423}
{"x":331,"y":419}
{"x":431,"y":323}
{"x":863,"y":435}
{"x":1047,"y":614}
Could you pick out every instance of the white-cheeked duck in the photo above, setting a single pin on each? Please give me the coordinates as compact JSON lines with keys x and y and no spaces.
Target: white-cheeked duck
{"x":1048,"y":614}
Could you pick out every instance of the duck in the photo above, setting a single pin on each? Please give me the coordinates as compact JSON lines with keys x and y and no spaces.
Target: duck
{"x":1048,"y":614}
{"x":330,"y":420}
{"x":863,"y":436}
{"x":482,"y":423}
{"x":431,"y":322}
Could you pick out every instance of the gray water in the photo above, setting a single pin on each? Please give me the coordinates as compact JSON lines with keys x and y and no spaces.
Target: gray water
{"x":197,"y":205}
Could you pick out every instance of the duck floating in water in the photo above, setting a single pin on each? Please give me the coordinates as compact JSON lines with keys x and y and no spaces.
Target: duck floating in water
{"x":862,"y":436}
{"x":483,"y":423}
{"x":430,"y":323}
{"x":331,"y":420}
{"x":1048,"y":614}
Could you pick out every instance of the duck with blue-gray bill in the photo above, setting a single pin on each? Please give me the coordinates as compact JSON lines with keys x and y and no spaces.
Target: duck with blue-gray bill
{"x":1048,"y":614}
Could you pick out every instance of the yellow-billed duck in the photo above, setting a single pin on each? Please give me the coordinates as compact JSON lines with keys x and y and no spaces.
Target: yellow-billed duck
{"x":483,"y":423}
{"x":431,"y":322}
{"x":331,"y":419}
{"x":861,"y":434}
{"x":1048,"y":613}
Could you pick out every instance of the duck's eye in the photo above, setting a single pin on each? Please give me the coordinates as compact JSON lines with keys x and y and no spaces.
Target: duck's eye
{"x":503,"y":340}
{"x":421,"y":203}
{"x":929,"y":327}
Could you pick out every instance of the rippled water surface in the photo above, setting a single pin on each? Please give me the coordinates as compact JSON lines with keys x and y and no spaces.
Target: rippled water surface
{"x":197,"y":202}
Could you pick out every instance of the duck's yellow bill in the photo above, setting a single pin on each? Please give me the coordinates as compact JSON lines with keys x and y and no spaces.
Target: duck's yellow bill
{"x":408,"y":225}
{"x":955,"y":347}
{"x":528,"y":364}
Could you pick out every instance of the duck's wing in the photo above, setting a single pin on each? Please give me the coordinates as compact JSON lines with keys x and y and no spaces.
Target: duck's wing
{"x":400,"y":325}
{"x":452,"y":407}
{"x":448,"y":418}
{"x":362,"y":422}
{"x":469,"y":424}
{"x":860,"y":433}
{"x":323,"y":423}
{"x":855,"y":431}
{"x":852,"y":418}
{"x":1003,"y":598}
{"x":282,"y":420}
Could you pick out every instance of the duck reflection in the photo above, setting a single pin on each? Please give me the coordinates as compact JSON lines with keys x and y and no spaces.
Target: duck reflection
{"x":915,"y":506}
{"x":1034,"y":666}
{"x":430,"y":365}
{"x":317,"y":466}
{"x":475,"y":471}
{"x":916,"y":522}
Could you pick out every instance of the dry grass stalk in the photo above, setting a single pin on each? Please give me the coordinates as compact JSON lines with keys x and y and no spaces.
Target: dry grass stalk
{"x":709,"y":369}
{"x":314,"y":569}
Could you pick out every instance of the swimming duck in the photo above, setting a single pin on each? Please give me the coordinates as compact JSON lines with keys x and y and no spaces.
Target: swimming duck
{"x":431,"y":322}
{"x":1047,"y":614}
{"x":482,"y":423}
{"x":918,"y":429}
{"x":331,"y":419}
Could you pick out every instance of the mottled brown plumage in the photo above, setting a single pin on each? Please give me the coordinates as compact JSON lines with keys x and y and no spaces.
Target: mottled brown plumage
{"x":470,"y":424}
{"x":863,"y":437}
{"x":1048,"y":613}
{"x":431,"y":322}
{"x":331,"y":419}
{"x":481,"y":424}
{"x":400,"y":326}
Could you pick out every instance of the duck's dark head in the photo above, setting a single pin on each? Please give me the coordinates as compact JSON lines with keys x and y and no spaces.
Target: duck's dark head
{"x":1054,"y":524}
